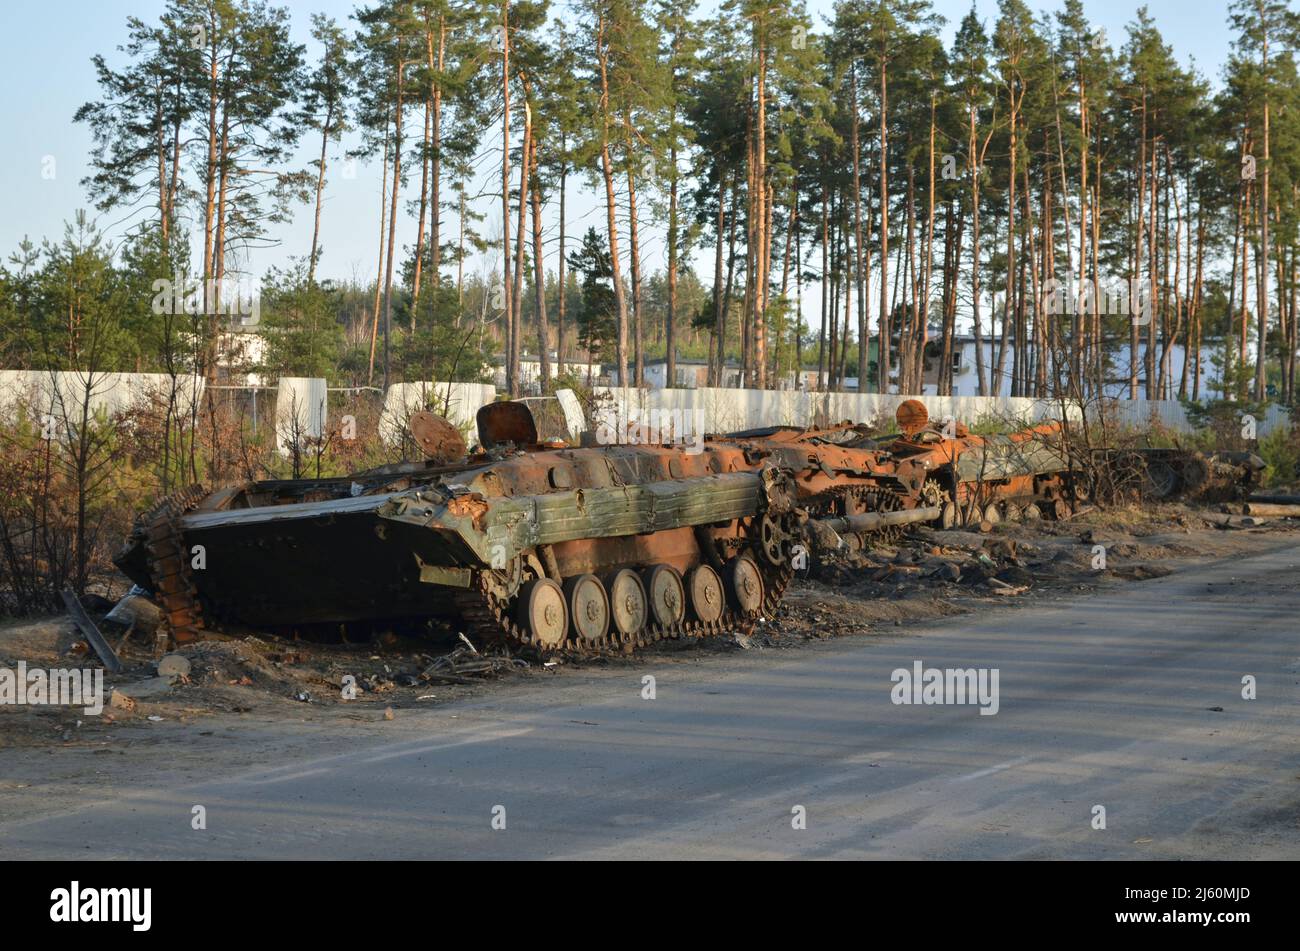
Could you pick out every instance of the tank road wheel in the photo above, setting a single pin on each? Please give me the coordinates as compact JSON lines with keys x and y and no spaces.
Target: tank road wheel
{"x":1161,"y":480}
{"x":663,"y":587}
{"x":627,"y":602}
{"x":707,"y":598}
{"x":772,"y":538}
{"x":542,"y":612}
{"x":745,"y":584}
{"x":588,"y":608}
{"x":934,"y":494}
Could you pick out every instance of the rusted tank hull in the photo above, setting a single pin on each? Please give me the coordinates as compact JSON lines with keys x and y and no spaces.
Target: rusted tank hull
{"x":463,"y":545}
{"x":315,"y":569}
{"x":983,"y":479}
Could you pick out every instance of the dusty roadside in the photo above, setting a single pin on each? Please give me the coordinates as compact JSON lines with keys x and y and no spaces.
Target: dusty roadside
{"x":262,"y":701}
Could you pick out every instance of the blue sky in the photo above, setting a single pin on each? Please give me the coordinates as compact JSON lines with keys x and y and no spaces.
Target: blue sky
{"x":46,"y":73}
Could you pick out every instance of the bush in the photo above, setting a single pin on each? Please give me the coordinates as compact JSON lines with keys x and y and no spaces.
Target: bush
{"x":1280,"y":451}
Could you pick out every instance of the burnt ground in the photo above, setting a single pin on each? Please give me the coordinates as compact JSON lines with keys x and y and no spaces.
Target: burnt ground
{"x":259,"y":700}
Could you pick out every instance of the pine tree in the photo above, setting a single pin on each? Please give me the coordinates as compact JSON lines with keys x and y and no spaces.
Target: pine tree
{"x":325,"y":107}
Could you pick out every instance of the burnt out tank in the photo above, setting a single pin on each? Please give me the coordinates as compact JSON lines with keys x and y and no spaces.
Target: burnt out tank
{"x":1166,"y":474}
{"x":1027,"y":474}
{"x":528,"y":542}
{"x":970,"y":479}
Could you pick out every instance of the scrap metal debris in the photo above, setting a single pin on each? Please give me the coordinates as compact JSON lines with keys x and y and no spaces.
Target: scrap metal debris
{"x":465,"y":665}
{"x":107,"y":655}
{"x":174,"y":667}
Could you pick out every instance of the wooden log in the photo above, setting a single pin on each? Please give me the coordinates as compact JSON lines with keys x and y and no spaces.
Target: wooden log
{"x":1275,"y":499}
{"x":1272,"y":511}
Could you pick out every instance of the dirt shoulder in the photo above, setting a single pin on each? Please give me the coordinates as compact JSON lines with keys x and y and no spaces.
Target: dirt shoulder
{"x":260,"y":701}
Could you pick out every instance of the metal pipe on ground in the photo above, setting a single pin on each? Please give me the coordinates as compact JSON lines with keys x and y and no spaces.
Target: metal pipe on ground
{"x":871,"y":521}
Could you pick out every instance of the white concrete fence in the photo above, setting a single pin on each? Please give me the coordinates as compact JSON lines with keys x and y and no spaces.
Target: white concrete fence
{"x":302,"y":407}
{"x":726,"y":410}
{"x":458,"y":402}
{"x":302,"y":403}
{"x":63,"y":394}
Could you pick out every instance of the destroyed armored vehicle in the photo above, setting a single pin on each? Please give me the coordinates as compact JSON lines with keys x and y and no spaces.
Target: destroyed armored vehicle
{"x":971,"y":479}
{"x":533,"y":542}
{"x":988,"y":479}
{"x":527,"y":542}
{"x":1165,"y":474}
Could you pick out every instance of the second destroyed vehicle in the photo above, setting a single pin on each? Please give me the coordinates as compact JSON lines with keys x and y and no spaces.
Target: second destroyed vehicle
{"x":971,"y":479}
{"x":537,"y":544}
{"x":988,"y":479}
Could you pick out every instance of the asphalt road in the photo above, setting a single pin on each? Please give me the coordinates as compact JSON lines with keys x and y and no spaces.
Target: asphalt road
{"x":1130,"y":699}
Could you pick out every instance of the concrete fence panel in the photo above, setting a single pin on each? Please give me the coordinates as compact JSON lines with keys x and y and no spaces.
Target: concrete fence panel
{"x":63,"y":394}
{"x":459,"y":402}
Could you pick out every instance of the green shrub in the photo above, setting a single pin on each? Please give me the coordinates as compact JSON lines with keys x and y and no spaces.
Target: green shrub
{"x":1280,"y":450}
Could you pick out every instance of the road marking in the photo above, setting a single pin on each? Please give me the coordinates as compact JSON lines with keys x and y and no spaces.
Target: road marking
{"x":992,"y":769}
{"x":485,"y":737}
{"x":277,"y":774}
{"x":282,"y":778}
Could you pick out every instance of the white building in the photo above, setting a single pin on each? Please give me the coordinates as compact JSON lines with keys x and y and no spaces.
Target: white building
{"x":530,"y":372}
{"x":239,"y":349}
